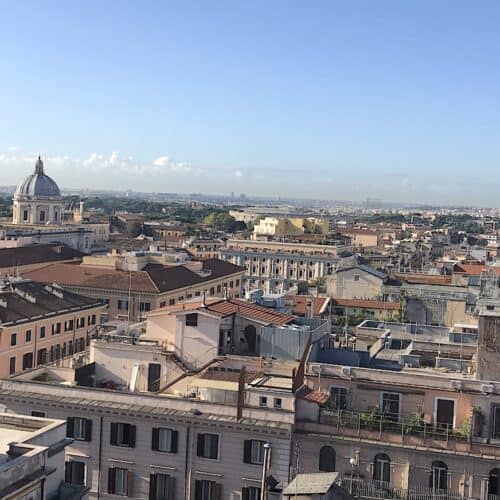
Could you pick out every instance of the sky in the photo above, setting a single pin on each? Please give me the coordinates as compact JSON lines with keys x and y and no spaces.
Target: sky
{"x":338,"y":100}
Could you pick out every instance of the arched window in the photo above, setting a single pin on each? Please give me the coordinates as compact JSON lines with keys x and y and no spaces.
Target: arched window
{"x":439,"y":476}
{"x":327,"y":459}
{"x":494,"y":482}
{"x":382,"y":468}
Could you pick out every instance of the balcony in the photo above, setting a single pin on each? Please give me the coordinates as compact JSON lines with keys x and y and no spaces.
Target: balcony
{"x":413,"y":431}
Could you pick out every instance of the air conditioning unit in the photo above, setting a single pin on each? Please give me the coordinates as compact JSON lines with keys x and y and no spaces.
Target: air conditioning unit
{"x":456,"y":384}
{"x":346,"y":371}
{"x":487,"y":388}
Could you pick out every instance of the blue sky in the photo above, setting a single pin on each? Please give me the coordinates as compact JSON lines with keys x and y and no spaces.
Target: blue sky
{"x":343,"y":100}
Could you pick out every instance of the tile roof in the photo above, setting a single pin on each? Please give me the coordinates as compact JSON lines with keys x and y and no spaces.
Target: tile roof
{"x":41,"y":301}
{"x":224,"y":308}
{"x":475,"y":269}
{"x":36,"y":254}
{"x":314,"y":396}
{"x":425,"y":279}
{"x":152,"y":279}
{"x":366,"y":304}
{"x":299,"y":304}
{"x":318,"y":483}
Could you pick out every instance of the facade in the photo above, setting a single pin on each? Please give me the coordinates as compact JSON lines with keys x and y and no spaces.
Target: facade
{"x":148,"y":422}
{"x":359,"y":308}
{"x":282,"y":226}
{"x":361,"y":238}
{"x":131,"y":294}
{"x":276,"y":267}
{"x":413,"y":415}
{"x":32,"y":465}
{"x":43,"y":323}
{"x":358,"y":282}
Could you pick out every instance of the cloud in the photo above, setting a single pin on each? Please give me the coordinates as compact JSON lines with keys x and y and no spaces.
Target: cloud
{"x":238,"y":173}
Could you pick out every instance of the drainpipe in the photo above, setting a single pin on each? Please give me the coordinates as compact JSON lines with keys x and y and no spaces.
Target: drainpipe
{"x":187,"y":464}
{"x":265,"y":470}
{"x":99,"y":460}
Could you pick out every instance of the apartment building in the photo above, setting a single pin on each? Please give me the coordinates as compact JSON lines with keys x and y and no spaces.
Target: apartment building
{"x":412,"y":413}
{"x":132,"y":292}
{"x":283,"y":226}
{"x":275,"y":266}
{"x":32,"y":464}
{"x":43,"y":323}
{"x":157,"y":413}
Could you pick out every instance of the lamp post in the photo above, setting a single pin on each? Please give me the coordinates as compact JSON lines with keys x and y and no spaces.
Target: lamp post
{"x":354,"y":461}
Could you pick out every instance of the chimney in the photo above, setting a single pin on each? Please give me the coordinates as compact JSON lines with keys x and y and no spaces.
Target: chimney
{"x":204,"y":299}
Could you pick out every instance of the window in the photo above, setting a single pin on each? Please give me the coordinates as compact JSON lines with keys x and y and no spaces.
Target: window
{"x":278,"y":403}
{"x":39,"y":414}
{"x":250,"y":493}
{"x":212,"y":290}
{"x":144,"y":306}
{"x":390,"y":404}
{"x":42,"y":357}
{"x":445,"y":413}
{"x":25,"y":215}
{"x":356,"y":277}
{"x":162,"y":304}
{"x":495,"y":430}
{"x":253,"y":451}
{"x":192,"y":319}
{"x":12,"y":365}
{"x":219,"y":288}
{"x":92,"y":319}
{"x":161,"y":487}
{"x":438,"y":480}
{"x":494,"y":482}
{"x":68,"y":325}
{"x":208,"y":446}
{"x":75,"y":472}
{"x":164,"y":440}
{"x":206,"y":490}
{"x":122,"y":434}
{"x":13,"y":339}
{"x":123,"y":305}
{"x":42,"y":215}
{"x":263,"y":401}
{"x":382,"y":468}
{"x":119,"y":481}
{"x":171,"y":302}
{"x":27,"y":361}
{"x":80,"y":322}
{"x":327,"y":459}
{"x":338,"y":398}
{"x":27,"y":336}
{"x":42,"y":332}
{"x":79,"y":428}
{"x":56,"y":328}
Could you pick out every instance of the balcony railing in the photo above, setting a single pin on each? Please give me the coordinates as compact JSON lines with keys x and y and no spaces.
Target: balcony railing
{"x":361,"y":488}
{"x":373,"y":423}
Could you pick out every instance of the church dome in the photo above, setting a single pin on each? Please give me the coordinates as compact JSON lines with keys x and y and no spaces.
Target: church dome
{"x":38,"y":184}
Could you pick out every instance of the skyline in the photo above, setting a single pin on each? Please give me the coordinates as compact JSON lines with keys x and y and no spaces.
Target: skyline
{"x":335,"y":101}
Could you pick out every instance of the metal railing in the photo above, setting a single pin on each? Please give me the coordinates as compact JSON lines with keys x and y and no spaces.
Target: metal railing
{"x":377,"y":422}
{"x":360,"y":488}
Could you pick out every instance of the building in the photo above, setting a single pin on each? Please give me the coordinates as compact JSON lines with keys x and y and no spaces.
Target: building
{"x":357,"y":282}
{"x":360,"y":308}
{"x":40,"y":324}
{"x":155,"y":412}
{"x":132,"y":292}
{"x":275,"y":266}
{"x":405,"y":410}
{"x":361,"y":238}
{"x":32,"y":462}
{"x":18,"y":260}
{"x":38,"y":217}
{"x":283,"y":226}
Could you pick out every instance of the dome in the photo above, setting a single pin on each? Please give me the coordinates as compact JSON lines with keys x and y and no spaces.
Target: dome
{"x":38,"y":184}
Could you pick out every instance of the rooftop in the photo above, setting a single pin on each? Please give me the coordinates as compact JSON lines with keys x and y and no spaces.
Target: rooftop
{"x":152,"y":279}
{"x":24,"y":301}
{"x":36,"y":254}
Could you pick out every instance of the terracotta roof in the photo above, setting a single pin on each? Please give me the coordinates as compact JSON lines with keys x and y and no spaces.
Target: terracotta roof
{"x":425,"y":279}
{"x":224,"y":308}
{"x":299,"y":303}
{"x":314,"y":396}
{"x":36,"y":254}
{"x":475,"y":269}
{"x":366,"y":304}
{"x":152,"y":279}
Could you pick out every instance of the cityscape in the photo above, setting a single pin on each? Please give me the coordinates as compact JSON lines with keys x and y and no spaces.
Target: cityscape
{"x":306,"y":308}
